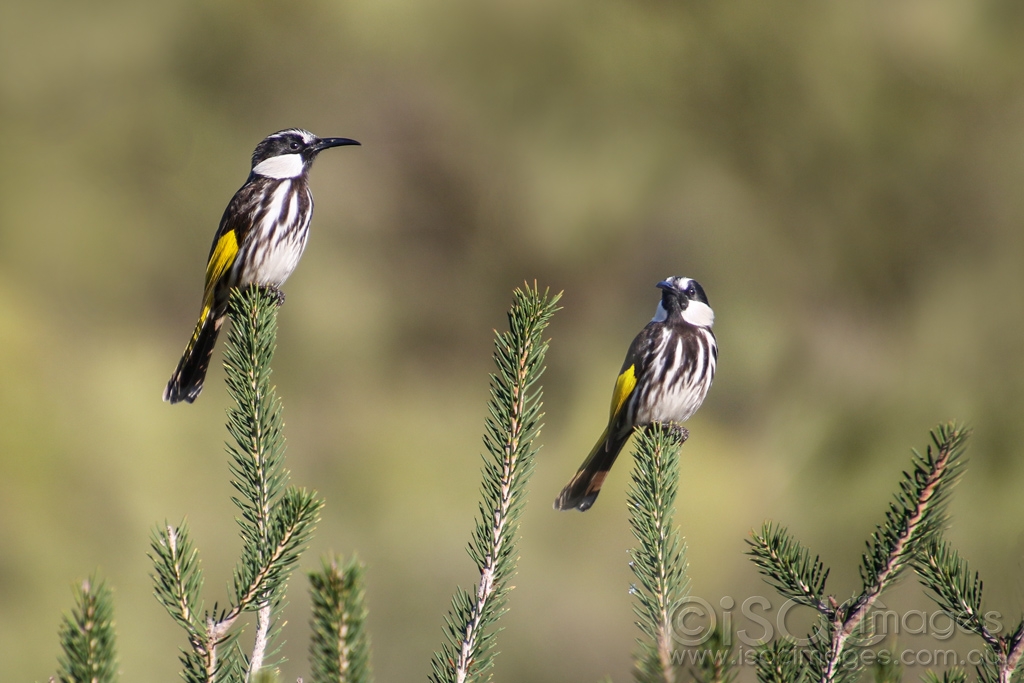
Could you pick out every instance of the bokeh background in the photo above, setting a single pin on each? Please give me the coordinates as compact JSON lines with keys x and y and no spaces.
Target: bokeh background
{"x":844,"y":178}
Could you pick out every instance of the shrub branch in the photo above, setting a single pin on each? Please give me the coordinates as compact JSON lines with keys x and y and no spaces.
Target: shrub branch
{"x":511,"y":428}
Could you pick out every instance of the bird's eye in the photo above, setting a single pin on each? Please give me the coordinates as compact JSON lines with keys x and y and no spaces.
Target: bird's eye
{"x":294,"y":145}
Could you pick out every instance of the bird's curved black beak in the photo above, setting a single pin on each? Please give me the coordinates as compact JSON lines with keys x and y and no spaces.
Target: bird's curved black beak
{"x":665,"y":284}
{"x":323,"y":143}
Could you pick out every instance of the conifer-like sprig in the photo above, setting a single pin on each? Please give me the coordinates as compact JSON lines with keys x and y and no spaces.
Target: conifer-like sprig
{"x":914,"y":519}
{"x":958,"y":593}
{"x":780,"y":662}
{"x":918,"y":513}
{"x":511,"y":429}
{"x":954,"y":588}
{"x":339,"y":650}
{"x":659,"y":560}
{"x":178,"y":581}
{"x":788,"y":567}
{"x":276,"y":519}
{"x":179,"y":578}
{"x":87,"y":637}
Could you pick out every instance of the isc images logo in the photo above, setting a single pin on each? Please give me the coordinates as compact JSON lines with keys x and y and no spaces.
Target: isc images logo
{"x":695,"y":620}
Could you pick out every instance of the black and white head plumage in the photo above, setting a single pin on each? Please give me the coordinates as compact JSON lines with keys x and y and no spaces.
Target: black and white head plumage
{"x":289,"y":153}
{"x":684,"y":298}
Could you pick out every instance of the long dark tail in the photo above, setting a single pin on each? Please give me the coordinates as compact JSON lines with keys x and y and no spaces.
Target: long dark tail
{"x":581,"y":491}
{"x":187,"y":380}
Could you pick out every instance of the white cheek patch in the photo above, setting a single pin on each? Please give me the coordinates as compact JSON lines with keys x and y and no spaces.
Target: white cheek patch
{"x":660,"y":314}
{"x":699,"y":314}
{"x":283,"y":166}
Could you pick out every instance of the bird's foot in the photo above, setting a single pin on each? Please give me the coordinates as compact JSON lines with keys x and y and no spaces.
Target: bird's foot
{"x":271,"y":290}
{"x":678,"y":432}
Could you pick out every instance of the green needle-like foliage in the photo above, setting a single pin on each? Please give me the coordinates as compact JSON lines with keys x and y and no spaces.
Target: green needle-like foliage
{"x":276,"y":519}
{"x":914,"y":520}
{"x":178,"y":580}
{"x":958,"y":593}
{"x":918,"y":513}
{"x":788,"y":566}
{"x":339,"y":651}
{"x":511,"y":429}
{"x":659,"y":560}
{"x":780,"y":662}
{"x":87,"y":637}
{"x":953,"y":587}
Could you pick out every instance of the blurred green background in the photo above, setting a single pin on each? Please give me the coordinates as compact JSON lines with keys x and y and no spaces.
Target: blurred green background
{"x":844,"y":179}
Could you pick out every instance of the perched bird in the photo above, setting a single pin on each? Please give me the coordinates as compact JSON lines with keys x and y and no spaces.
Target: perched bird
{"x":665,"y":377}
{"x":260,"y":239}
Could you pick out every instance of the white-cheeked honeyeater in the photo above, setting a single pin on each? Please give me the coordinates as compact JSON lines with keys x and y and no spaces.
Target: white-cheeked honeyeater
{"x":665,"y":377}
{"x":261,"y":237}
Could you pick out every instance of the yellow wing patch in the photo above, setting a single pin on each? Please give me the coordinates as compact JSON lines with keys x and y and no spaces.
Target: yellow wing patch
{"x":220,"y":260}
{"x":624,"y":386}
